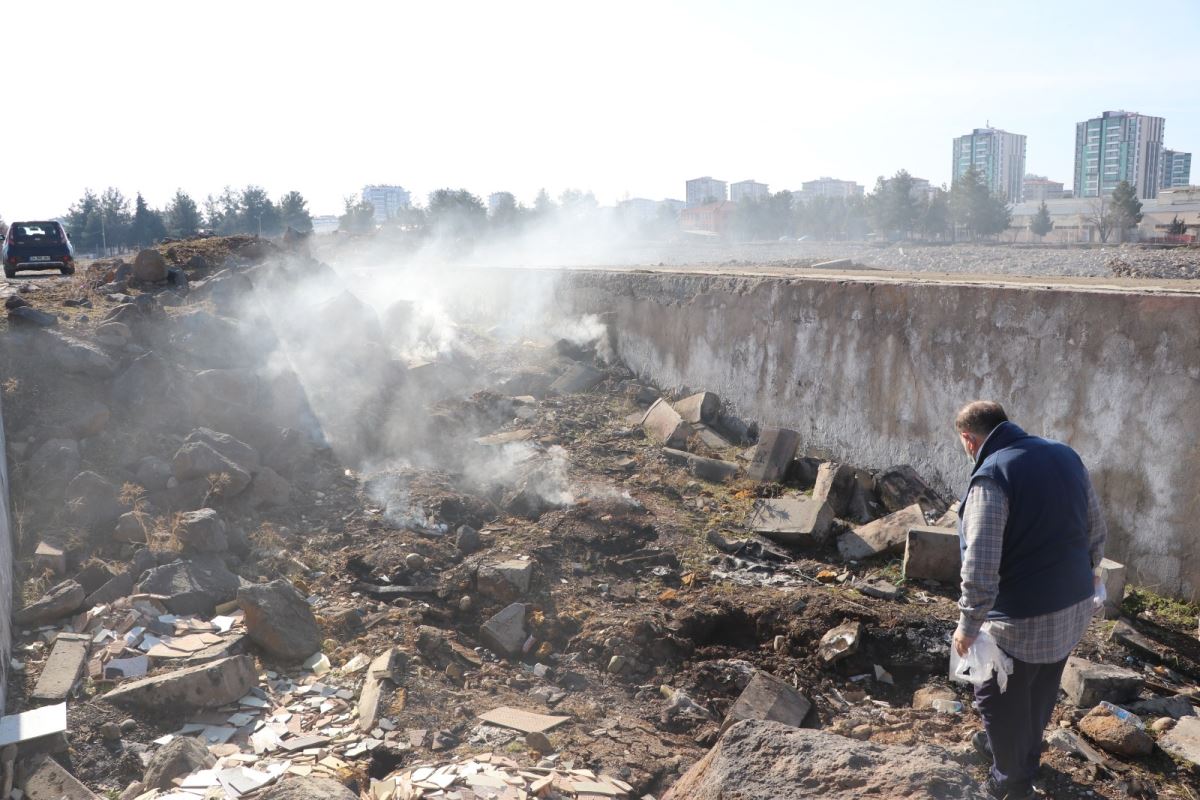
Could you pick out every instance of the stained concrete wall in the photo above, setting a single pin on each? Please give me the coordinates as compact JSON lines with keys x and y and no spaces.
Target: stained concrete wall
{"x":6,"y":570}
{"x":872,"y":371}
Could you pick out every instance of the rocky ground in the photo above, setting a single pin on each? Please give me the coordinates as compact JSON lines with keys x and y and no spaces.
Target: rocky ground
{"x":505,"y":566}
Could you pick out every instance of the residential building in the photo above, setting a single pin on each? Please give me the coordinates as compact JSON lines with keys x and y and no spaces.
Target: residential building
{"x":708,"y":219}
{"x":747,"y":190}
{"x":325,"y":223}
{"x":1176,"y":169}
{"x":675,"y":206}
{"x":638,"y":209}
{"x":701,"y":191}
{"x":1038,"y":188}
{"x":830,"y":187}
{"x":998,"y":156}
{"x":386,"y":200}
{"x":1118,"y":146}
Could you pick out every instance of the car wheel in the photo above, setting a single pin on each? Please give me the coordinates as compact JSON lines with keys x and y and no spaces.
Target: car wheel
{"x":67,"y":270}
{"x":10,"y":273}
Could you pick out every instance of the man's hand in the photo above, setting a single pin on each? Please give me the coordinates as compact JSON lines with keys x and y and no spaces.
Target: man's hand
{"x":962,"y":643}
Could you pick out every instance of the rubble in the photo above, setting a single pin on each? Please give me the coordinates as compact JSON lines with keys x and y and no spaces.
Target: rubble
{"x":933,"y":554}
{"x":280,"y":620}
{"x":1114,"y":733}
{"x":1112,"y":575}
{"x":772,"y":455}
{"x":663,"y":424}
{"x":1086,"y":683}
{"x":792,"y":520}
{"x":840,"y":642}
{"x":835,"y":484}
{"x":702,"y":407}
{"x":63,"y":667}
{"x":504,"y":581}
{"x":62,"y":599}
{"x":1182,"y":742}
{"x":505,"y":631}
{"x":706,"y":469}
{"x":886,"y":535}
{"x":768,"y":698}
{"x":204,"y":686}
{"x":181,"y":756}
{"x":43,"y":779}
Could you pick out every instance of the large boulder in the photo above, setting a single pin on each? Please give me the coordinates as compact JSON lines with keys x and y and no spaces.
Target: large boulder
{"x":149,"y":266}
{"x":1117,"y":734}
{"x":181,"y":756}
{"x":54,"y":463}
{"x":76,"y":357}
{"x":280,"y":620}
{"x":202,"y":531}
{"x":268,"y":489}
{"x":770,"y":760}
{"x":198,"y":459}
{"x":93,"y":501}
{"x":194,"y":586}
{"x":148,"y":392}
{"x":232,"y":448}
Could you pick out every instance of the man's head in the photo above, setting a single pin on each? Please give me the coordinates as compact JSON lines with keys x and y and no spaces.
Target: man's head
{"x":975,"y":421}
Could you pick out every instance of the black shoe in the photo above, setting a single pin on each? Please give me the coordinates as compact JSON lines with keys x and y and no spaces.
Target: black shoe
{"x":982,"y":744}
{"x":995,"y":791}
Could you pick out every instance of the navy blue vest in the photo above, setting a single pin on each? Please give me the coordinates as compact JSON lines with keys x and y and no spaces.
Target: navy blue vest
{"x":1045,"y":565}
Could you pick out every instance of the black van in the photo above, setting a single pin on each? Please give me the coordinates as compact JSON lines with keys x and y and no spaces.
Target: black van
{"x":37,"y":245}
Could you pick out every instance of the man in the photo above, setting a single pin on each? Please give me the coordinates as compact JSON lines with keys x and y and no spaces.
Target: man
{"x":1031,"y":535}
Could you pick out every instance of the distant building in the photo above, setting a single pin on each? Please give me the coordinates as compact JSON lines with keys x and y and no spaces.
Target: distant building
{"x":747,"y":190}
{"x":1176,"y":169}
{"x":998,"y":156}
{"x":1118,"y":146}
{"x":675,"y":206}
{"x":326,"y":223}
{"x":830,"y":187}
{"x":386,"y":200}
{"x":1039,"y":188}
{"x":701,"y":191}
{"x":639,"y":209}
{"x":709,"y":219}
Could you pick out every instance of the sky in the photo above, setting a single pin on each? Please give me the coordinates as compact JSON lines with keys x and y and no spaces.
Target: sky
{"x":626,"y":99}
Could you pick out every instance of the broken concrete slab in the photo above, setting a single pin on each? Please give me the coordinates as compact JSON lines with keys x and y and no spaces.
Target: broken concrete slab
{"x":768,"y":760}
{"x":663,"y":424}
{"x":384,"y":667}
{"x":885,"y":535}
{"x":932,"y":554}
{"x":702,"y":407}
{"x":117,"y":587}
{"x":63,"y":668}
{"x":1086,"y":683}
{"x":768,"y":698}
{"x":62,"y":599}
{"x":1176,"y":707}
{"x":45,"y":723}
{"x":521,"y":720}
{"x":49,"y":557}
{"x":840,"y":642}
{"x":835,"y":485}
{"x":709,"y":469}
{"x":204,"y":686}
{"x":505,"y":581}
{"x":791,"y":520}
{"x":900,"y":486}
{"x":710,"y":438}
{"x":1112,"y":575}
{"x":181,"y":756}
{"x":577,"y":379}
{"x":1183,"y":741}
{"x":504,"y":633}
{"x":774,"y":452}
{"x":280,"y":620}
{"x":43,"y":778}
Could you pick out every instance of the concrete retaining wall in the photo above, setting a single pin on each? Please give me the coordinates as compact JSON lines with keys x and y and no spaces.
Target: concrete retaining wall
{"x":6,"y":569}
{"x":872,"y":371}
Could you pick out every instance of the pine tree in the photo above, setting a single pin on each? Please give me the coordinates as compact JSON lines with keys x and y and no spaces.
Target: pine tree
{"x":1041,"y":224}
{"x":1126,"y":208}
{"x":147,"y":226}
{"x":293,"y":210}
{"x":183,"y":217}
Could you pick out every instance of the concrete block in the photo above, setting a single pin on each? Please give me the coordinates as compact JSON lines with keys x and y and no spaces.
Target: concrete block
{"x":900,"y":486}
{"x":43,"y":779}
{"x":711,"y":438}
{"x":774,"y":452}
{"x":933,"y":554}
{"x":205,"y":686}
{"x":768,"y":698}
{"x":835,"y":485}
{"x":702,"y":407}
{"x":504,"y":633}
{"x":886,"y":535}
{"x":1112,"y":575}
{"x":1086,"y":683}
{"x":663,"y":424}
{"x":47,"y":556}
{"x":505,"y":581}
{"x":579,"y":378}
{"x":63,"y":667}
{"x":709,"y":469}
{"x":1183,"y":741}
{"x":792,"y":520}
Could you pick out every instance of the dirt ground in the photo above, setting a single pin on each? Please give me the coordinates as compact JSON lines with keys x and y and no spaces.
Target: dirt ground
{"x":622,"y":568}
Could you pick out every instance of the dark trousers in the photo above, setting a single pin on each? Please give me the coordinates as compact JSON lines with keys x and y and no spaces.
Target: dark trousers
{"x":1015,"y":720}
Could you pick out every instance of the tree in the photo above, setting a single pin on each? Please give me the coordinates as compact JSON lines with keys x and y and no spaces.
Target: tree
{"x":293,"y":210}
{"x":223,"y":214}
{"x":1177,"y":227}
{"x":506,"y":213}
{"x":1126,"y":208}
{"x":893,"y":205}
{"x":456,"y":213}
{"x":542,"y":204}
{"x":3,"y":227}
{"x":147,"y":226}
{"x":183,"y":218}
{"x":1101,"y":218}
{"x":979,"y":211}
{"x":117,"y":218}
{"x":1041,"y":224}
{"x":935,"y":215}
{"x":259,"y":216}
{"x":359,"y":217}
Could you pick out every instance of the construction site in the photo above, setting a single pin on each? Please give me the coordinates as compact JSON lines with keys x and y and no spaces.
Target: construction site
{"x":287,"y":520}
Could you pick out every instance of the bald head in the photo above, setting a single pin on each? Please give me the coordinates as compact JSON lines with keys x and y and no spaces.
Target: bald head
{"x":980,"y":417}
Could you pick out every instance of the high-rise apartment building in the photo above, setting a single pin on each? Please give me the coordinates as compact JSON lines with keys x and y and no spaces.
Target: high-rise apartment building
{"x":748,"y":190}
{"x":705,"y":190}
{"x":1176,"y":169}
{"x":830,"y":187}
{"x":1036,"y":188}
{"x":1118,"y":146}
{"x":386,"y":200}
{"x":998,"y":156}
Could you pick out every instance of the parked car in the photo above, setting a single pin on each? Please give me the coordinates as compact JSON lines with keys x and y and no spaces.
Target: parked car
{"x":37,"y":245}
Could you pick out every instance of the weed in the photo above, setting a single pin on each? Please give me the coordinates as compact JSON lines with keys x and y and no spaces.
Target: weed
{"x":1166,"y":611}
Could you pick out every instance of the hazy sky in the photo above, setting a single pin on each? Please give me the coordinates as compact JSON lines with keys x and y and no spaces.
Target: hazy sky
{"x":623,"y":98}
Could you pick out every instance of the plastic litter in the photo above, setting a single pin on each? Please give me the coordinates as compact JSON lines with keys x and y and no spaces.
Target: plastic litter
{"x":983,"y":660}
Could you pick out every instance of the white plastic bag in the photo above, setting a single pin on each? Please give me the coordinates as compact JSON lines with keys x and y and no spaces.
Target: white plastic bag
{"x":984,"y":659}
{"x":1099,"y":598}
